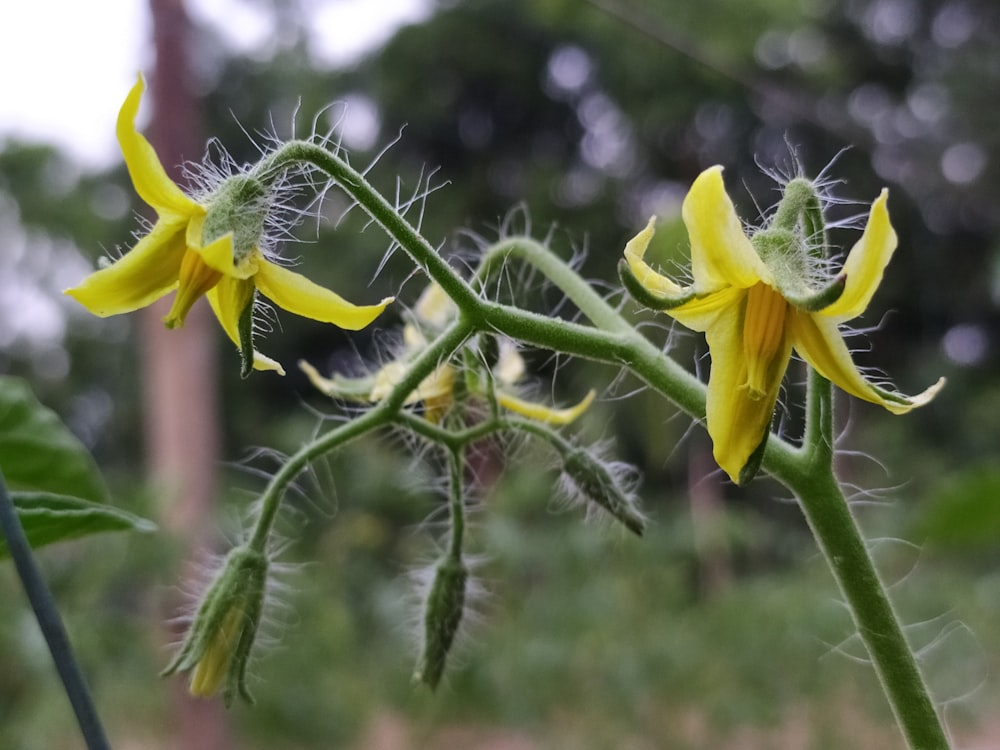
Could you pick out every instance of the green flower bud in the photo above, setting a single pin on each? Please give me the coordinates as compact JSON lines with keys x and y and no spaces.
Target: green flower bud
{"x":218,"y":644}
{"x":587,"y":477}
{"x":443,"y":611}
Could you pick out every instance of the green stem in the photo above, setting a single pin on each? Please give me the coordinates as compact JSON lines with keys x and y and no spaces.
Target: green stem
{"x":50,"y":623}
{"x":554,"y":268}
{"x":385,"y":215}
{"x":842,"y":544}
{"x":456,"y":507}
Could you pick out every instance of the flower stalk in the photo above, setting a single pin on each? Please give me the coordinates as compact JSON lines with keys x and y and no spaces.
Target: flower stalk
{"x":840,"y":540}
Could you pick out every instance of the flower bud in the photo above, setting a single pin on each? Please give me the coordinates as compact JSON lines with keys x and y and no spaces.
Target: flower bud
{"x":442,"y":615}
{"x":218,"y":644}
{"x":586,"y":476}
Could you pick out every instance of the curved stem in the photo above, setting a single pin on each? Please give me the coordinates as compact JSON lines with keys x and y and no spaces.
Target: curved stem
{"x":456,"y":507}
{"x":395,"y":225}
{"x":50,"y":623}
{"x":558,"y":272}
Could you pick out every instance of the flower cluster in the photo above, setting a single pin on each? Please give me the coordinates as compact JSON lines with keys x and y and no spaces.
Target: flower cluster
{"x":437,"y":392}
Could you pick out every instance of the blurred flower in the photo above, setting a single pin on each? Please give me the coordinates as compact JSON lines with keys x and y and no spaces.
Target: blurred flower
{"x":437,"y":391}
{"x":755,"y":300}
{"x":211,"y":247}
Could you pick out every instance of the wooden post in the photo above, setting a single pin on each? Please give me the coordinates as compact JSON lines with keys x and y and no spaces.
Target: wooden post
{"x":180,"y":369}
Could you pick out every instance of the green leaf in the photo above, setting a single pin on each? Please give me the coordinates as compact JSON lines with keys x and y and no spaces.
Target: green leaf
{"x":48,"y":517}
{"x":38,"y":452}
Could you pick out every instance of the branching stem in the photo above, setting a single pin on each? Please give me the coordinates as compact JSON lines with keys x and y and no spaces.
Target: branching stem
{"x":807,"y":469}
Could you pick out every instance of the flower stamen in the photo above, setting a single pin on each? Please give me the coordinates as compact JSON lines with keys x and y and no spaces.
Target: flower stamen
{"x":763,"y":330}
{"x":195,"y":278}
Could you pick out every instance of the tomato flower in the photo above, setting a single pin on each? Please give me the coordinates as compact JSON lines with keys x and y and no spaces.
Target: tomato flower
{"x":756,"y":299}
{"x":209,"y":246}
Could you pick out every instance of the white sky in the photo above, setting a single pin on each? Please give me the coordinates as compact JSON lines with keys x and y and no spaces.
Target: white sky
{"x":66,"y":66}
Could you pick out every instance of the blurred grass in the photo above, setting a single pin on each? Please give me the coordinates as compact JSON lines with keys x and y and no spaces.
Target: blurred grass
{"x":588,"y":637}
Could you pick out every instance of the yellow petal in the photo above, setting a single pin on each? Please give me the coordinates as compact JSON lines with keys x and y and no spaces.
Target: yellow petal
{"x":139,"y":278}
{"x":738,"y":421}
{"x":865,"y":264}
{"x":194,"y":280}
{"x":721,"y":253}
{"x":210,"y":671}
{"x":763,"y":337}
{"x":818,"y":340}
{"x":148,"y":176}
{"x":413,"y":339}
{"x":635,"y":251}
{"x":387,"y":378}
{"x":701,"y":312}
{"x":542,"y":413}
{"x":438,"y":385}
{"x":220,"y":255}
{"x":326,"y":386}
{"x":352,"y":389}
{"x":434,"y":306}
{"x":229,"y":299}
{"x":437,"y":391}
{"x":299,"y":295}
{"x":510,"y":364}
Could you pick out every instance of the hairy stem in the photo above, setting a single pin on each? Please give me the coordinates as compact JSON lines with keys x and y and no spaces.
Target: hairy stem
{"x":842,"y":544}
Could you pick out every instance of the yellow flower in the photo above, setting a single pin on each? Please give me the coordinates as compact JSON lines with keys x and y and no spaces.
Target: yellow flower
{"x":754,"y":301}
{"x":434,"y":310}
{"x":210,"y":248}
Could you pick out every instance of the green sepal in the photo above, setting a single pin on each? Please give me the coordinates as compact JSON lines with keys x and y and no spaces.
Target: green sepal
{"x":821,"y":299}
{"x":245,"y":330}
{"x":239,"y":206}
{"x":752,"y":466}
{"x":349,"y":389}
{"x":645,"y":297}
{"x":814,"y":229}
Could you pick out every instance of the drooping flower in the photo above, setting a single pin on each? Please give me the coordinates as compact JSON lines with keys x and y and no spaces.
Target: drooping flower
{"x":433,"y":311}
{"x":211,"y":246}
{"x":756,"y":299}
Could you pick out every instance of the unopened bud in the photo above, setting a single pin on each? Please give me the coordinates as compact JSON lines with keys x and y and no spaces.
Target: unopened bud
{"x":442,"y":616}
{"x":589,"y":477}
{"x":218,"y":644}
